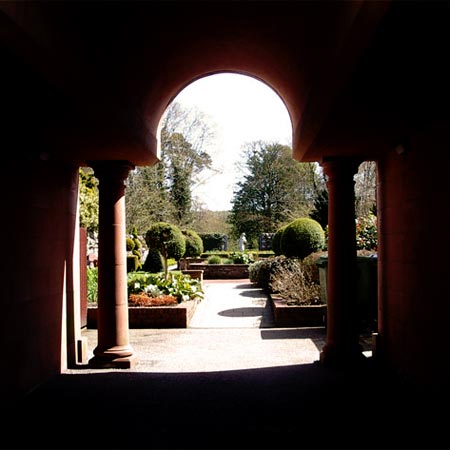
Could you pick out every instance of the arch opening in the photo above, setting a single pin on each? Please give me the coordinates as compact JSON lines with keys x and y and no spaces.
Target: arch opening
{"x":240,"y":108}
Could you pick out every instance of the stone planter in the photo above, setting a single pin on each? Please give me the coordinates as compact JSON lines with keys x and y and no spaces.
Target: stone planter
{"x":297,"y":315}
{"x":367,"y":286}
{"x":176,"y":316}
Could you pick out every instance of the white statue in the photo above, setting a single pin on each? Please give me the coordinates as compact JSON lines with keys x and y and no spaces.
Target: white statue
{"x":242,"y":242}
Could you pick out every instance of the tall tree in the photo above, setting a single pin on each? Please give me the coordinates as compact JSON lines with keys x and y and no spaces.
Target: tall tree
{"x":366,"y":189}
{"x":320,"y":210}
{"x":181,"y":163}
{"x":163,"y":192}
{"x":147,"y":198}
{"x":274,"y":190}
{"x":197,"y":133}
{"x":88,"y":199}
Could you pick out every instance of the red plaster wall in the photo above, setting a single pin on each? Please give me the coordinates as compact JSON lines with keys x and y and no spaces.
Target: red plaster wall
{"x":41,"y":219}
{"x":414,"y":247}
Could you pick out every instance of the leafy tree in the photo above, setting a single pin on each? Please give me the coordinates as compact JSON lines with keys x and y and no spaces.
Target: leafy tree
{"x":365,"y":195}
{"x":88,"y":192}
{"x":366,"y":189}
{"x":163,"y":192}
{"x":147,"y":198}
{"x":274,"y":190}
{"x":168,"y":240}
{"x":320,"y":209}
{"x":211,"y":221}
{"x":180,"y":162}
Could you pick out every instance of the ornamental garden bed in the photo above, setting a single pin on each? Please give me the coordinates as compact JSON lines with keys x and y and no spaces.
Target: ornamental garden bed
{"x":221,"y":271}
{"x":285,"y":315}
{"x":168,"y":316}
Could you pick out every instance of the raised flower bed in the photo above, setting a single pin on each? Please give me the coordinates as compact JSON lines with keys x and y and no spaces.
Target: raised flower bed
{"x":285,"y":315}
{"x":167,"y":316}
{"x":157,"y":301}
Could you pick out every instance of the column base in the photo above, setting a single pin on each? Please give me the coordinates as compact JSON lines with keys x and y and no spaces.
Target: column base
{"x":119,"y":356}
{"x":126,"y":362}
{"x":341,"y":357}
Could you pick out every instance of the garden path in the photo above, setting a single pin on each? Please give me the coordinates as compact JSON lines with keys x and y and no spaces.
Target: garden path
{"x":231,"y":330}
{"x":232,"y":304}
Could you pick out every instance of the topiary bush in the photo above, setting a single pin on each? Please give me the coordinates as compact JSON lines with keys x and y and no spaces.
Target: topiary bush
{"x":194,"y":243}
{"x":154,"y":262}
{"x":132,"y":263}
{"x":276,"y":241}
{"x":168,"y":239}
{"x":134,"y":245}
{"x":302,"y":237}
{"x":130,"y":244}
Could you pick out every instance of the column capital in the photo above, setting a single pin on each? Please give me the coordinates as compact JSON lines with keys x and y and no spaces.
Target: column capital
{"x":337,"y":167}
{"x":112,"y":173}
{"x":112,"y":169}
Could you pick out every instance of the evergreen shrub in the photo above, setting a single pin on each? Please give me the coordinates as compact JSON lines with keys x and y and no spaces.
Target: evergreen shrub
{"x":302,"y":237}
{"x":214,"y":259}
{"x":167,"y":238}
{"x":154,"y":262}
{"x":276,"y":241}
{"x":130,"y":244}
{"x":194,"y":243}
{"x":214,"y":241}
{"x":132,"y":263}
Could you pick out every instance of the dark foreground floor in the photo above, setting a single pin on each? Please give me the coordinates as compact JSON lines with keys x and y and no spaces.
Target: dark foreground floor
{"x":303,"y":406}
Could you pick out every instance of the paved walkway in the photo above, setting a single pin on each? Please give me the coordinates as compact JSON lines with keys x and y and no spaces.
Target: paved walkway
{"x":232,"y":329}
{"x":232,"y":304}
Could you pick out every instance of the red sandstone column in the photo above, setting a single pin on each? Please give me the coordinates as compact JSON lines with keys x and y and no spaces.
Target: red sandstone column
{"x":113,"y":348}
{"x":342,"y":347}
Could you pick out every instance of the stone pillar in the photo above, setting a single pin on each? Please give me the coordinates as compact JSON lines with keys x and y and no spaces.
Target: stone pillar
{"x":342,"y":346}
{"x":113,"y":348}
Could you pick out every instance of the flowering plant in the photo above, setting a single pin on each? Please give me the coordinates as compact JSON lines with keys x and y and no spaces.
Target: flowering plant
{"x":366,"y":233}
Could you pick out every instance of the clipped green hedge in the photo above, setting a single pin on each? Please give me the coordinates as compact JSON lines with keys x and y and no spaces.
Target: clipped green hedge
{"x":276,"y":241}
{"x":194,"y":243}
{"x":214,"y":241}
{"x":302,"y":237}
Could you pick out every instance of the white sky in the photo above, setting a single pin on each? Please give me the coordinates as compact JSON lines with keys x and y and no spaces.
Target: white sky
{"x":243,"y":110}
